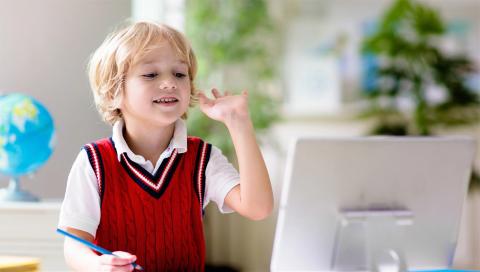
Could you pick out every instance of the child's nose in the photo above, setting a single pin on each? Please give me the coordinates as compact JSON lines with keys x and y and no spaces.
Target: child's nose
{"x":167,"y":83}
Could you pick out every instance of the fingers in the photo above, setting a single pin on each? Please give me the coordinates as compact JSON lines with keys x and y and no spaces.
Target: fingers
{"x":216,"y":93}
{"x":123,"y":268}
{"x":200,"y":95}
{"x":119,"y":258}
{"x":203,"y":99}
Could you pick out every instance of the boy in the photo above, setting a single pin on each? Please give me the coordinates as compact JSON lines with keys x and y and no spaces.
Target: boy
{"x":142,"y":79}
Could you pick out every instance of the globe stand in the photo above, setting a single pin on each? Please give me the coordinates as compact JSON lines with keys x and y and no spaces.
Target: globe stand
{"x":13,"y":192}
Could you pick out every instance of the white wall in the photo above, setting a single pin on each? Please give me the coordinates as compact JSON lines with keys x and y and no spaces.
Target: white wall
{"x":170,"y":12}
{"x":44,"y":48}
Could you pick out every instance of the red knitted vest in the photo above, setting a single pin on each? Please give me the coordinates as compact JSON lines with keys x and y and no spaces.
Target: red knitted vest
{"x":157,"y":217}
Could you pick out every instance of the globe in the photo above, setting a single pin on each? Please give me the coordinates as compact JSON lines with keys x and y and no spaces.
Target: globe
{"x":27,"y":139}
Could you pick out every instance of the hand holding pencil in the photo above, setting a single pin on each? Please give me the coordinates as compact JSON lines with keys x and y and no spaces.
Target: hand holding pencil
{"x":118,"y":261}
{"x":122,"y":261}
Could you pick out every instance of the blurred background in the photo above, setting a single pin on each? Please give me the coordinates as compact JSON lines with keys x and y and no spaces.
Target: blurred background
{"x":313,"y":67}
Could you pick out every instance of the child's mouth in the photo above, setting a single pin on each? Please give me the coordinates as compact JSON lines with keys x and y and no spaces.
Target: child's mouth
{"x":165,"y":101}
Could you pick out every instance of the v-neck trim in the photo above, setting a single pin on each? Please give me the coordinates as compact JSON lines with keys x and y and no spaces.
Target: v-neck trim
{"x":154,"y":184}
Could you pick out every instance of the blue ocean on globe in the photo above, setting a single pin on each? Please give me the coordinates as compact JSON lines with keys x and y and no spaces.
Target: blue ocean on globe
{"x":27,"y":135}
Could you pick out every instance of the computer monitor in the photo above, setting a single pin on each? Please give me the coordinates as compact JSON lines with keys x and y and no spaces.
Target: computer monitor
{"x":372,"y":203}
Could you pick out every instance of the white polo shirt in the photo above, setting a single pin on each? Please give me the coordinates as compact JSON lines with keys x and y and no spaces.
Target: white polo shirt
{"x":81,"y":205}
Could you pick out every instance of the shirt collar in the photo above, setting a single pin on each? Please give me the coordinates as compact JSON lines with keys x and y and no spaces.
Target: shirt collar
{"x":178,"y":141}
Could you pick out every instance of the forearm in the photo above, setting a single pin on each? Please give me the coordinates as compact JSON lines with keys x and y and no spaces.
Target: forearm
{"x":78,"y":257}
{"x":256,"y":196}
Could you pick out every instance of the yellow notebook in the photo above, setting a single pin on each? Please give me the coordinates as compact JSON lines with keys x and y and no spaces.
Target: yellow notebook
{"x":19,"y":264}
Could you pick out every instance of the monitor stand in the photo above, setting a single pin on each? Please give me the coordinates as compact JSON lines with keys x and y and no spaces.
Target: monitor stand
{"x":370,"y":240}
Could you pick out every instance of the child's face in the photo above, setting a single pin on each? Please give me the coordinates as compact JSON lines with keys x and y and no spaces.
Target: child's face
{"x":157,"y":88}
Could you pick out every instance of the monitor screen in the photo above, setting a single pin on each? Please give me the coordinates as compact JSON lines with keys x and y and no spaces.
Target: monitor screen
{"x":356,"y":204}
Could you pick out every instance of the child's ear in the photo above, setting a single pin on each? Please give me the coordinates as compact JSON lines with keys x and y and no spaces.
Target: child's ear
{"x":118,"y":112}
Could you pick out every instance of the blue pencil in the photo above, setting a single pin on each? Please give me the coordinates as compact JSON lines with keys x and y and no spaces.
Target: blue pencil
{"x":93,"y":246}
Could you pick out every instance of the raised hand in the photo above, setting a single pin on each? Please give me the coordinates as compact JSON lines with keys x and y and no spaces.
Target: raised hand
{"x":226,"y":107}
{"x":253,"y":197}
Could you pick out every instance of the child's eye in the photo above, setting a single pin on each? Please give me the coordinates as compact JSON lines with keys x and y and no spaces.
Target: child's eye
{"x":180,"y":75}
{"x":151,"y":75}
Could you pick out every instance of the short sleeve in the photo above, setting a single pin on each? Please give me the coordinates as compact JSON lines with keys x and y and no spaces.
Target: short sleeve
{"x":220,"y":178}
{"x":81,"y":205}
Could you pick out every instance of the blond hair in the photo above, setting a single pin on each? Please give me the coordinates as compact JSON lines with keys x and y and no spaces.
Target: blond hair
{"x":121,"y":50}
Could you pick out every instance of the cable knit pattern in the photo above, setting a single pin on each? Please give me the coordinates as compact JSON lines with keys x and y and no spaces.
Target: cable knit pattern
{"x":163,"y":228}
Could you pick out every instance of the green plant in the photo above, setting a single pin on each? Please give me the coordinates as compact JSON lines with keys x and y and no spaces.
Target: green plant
{"x":233,"y":43}
{"x":410,"y":60}
{"x":230,"y":39}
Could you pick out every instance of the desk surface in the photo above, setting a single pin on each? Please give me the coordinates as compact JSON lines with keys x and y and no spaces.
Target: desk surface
{"x":19,"y":264}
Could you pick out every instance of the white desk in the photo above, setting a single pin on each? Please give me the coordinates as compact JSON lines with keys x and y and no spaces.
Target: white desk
{"x":28,"y":229}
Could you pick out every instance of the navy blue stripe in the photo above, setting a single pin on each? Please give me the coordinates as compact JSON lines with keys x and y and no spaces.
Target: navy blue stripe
{"x":102,"y":171}
{"x":142,"y":184}
{"x":91,"y":159}
{"x":196,"y":170}
{"x":201,"y":170}
{"x":204,"y":177}
{"x":155,"y":179}
{"x":113,"y":144}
